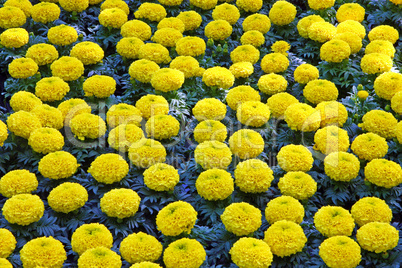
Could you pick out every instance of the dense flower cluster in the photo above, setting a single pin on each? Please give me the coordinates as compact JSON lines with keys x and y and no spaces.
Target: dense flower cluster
{"x":100,"y":86}
{"x":87,"y":52}
{"x":218,"y":30}
{"x":295,"y":158}
{"x":284,"y":208}
{"x":272,"y":84}
{"x":227,"y":12}
{"x":154,"y":52}
{"x":113,"y":17}
{"x":143,"y":70}
{"x":245,"y":53}
{"x":162,"y":127}
{"x":58,"y":165}
{"x":23,"y":123}
{"x":320,"y":90}
{"x":23,"y":209}
{"x":128,"y":47}
{"x":386,"y":85}
{"x":8,"y":243}
{"x":240,"y":94}
{"x":150,"y":11}
{"x":384,"y":173}
{"x":214,"y":184}
{"x":74,"y":5}
{"x":87,"y":125}
{"x":252,"y":37}
{"x":332,"y":113}
{"x":253,"y":113}
{"x":304,"y":24}
{"x":335,"y":50}
{"x":218,"y":77}
{"x":176,"y":218}
{"x":297,"y":184}
{"x":136,"y":28}
{"x":380,"y":122}
{"x":43,"y":252}
{"x":377,"y":237}
{"x":354,"y":41}
{"x":369,"y":146}
{"x":209,"y":130}
{"x":331,"y":139}
{"x":146,"y":152}
{"x":257,"y":22}
{"x":274,"y":63}
{"x":73,"y":107}
{"x":91,"y":235}
{"x":302,"y":117}
{"x":375,"y":63}
{"x":99,"y":257}
{"x":251,"y":252}
{"x":19,"y":181}
{"x":67,"y":197}
{"x":191,"y":19}
{"x":167,"y":37}
{"x":321,"y":31}
{"x":62,"y":35}
{"x":123,"y":113}
{"x":25,"y":101}
{"x":246,"y":143}
{"x":184,"y":253}
{"x":341,"y":166}
{"x":350,"y":11}
{"x":46,"y":140}
{"x":161,"y":177}
{"x":333,"y":221}
{"x":120,"y":203}
{"x":167,"y":79}
{"x":14,"y":38}
{"x":151,"y":105}
{"x":42,"y":53}
{"x":3,"y":133}
{"x":384,"y":32}
{"x":191,"y":46}
{"x":186,"y":64}
{"x":121,"y":137}
{"x":371,"y":209}
{"x":109,"y":168}
{"x":241,"y":218}
{"x":381,"y":46}
{"x":22,"y":68}
{"x":340,"y":251}
{"x":51,"y":89}
{"x":282,"y":13}
{"x":213,"y":154}
{"x":140,"y":247}
{"x":67,"y":68}
{"x":49,"y":116}
{"x":279,"y":102}
{"x":242,"y":69}
{"x":253,"y":176}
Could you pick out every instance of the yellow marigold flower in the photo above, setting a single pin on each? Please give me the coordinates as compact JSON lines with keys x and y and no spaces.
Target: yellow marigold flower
{"x":332,"y":113}
{"x":333,"y":221}
{"x":350,"y":11}
{"x":295,"y":158}
{"x":184,"y":253}
{"x":42,"y":53}
{"x":143,"y":70}
{"x":67,"y":68}
{"x":150,"y":11}
{"x":209,"y":130}
{"x":242,"y":69}
{"x":396,"y":104}
{"x":87,"y":52}
{"x":362,"y":94}
{"x":257,"y":22}
{"x":71,"y":108}
{"x":241,"y":218}
{"x":89,"y":236}
{"x":51,"y":89}
{"x":67,"y":197}
{"x":302,"y":117}
{"x":209,"y":109}
{"x":19,"y":181}
{"x":320,"y":4}
{"x":241,"y":94}
{"x":167,"y":37}
{"x":5,"y":263}
{"x":58,"y":165}
{"x":115,"y":3}
{"x":272,"y":84}
{"x":167,"y":79}
{"x":24,"y":101}
{"x":120,"y":203}
{"x":23,"y":123}
{"x":151,"y":105}
{"x":170,"y":2}
{"x":399,"y":131}
{"x":8,"y":243}
{"x":46,"y":140}
{"x":14,"y":38}
{"x":172,"y":23}
{"x":218,"y":77}
{"x":279,"y":102}
{"x":375,"y":63}
{"x":204,"y":4}
{"x":100,"y":257}
{"x":282,"y":13}
{"x":298,"y":185}
{"x":24,"y":5}
{"x":45,"y":12}
{"x":251,"y":252}
{"x":214,"y":184}
{"x":227,"y":12}
{"x":253,"y":113}
{"x":249,"y":5}
{"x":161,"y":177}
{"x":396,"y":2}
{"x":351,"y":26}
{"x":213,"y":154}
{"x":3,"y":133}
{"x":285,"y":238}
{"x":218,"y":30}
{"x":113,"y":17}
{"x":383,"y":173}
{"x":100,"y":86}
{"x":87,"y":125}
{"x":121,"y":137}
{"x":321,"y":31}
{"x":161,"y":127}
{"x":11,"y":17}
{"x":136,"y":28}
{"x":74,"y":5}
{"x":274,"y":63}
{"x":23,"y":209}
{"x":191,"y":19}
{"x":306,"y":22}
{"x":340,"y":251}
{"x":123,"y":113}
{"x":43,"y":252}
{"x":246,"y":143}
{"x":245,"y":53}
{"x":253,"y":176}
{"x":22,"y":68}
{"x":384,"y":32}
{"x":146,"y":152}
{"x":109,"y":168}
{"x":379,"y":122}
{"x":284,"y":208}
{"x":335,"y":50}
{"x":280,"y":47}
{"x":353,"y":40}
{"x":252,"y":37}
{"x":140,"y":247}
{"x":331,"y":139}
{"x":386,"y":85}
{"x":320,"y":90}
{"x":381,"y":46}
{"x":377,"y":237}
{"x":154,"y":52}
{"x":371,"y":209}
{"x":176,"y":218}
{"x":49,"y":116}
{"x":186,"y":64}
{"x":191,"y":46}
{"x":341,"y":166}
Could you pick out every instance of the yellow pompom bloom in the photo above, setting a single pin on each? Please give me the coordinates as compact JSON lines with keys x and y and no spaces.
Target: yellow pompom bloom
{"x":167,"y":37}
{"x":248,"y":252}
{"x":227,"y":12}
{"x":140,"y":247}
{"x":191,"y":46}
{"x":272,"y":84}
{"x":320,"y":90}
{"x":249,"y":5}
{"x":87,"y":125}
{"x":282,"y":13}
{"x":332,"y":113}
{"x":121,"y":137}
{"x":8,"y":243}
{"x":14,"y":38}
{"x":114,"y":3}
{"x":170,"y":2}
{"x":24,"y":101}
{"x":279,"y":102}
{"x":123,"y":113}
{"x":23,"y":209}
{"x":176,"y":218}
{"x":89,"y":236}
{"x":242,"y":69}
{"x":396,"y":105}
{"x":284,"y":208}
{"x":120,"y":203}
{"x":161,"y":177}
{"x":87,"y":52}
{"x":353,"y":40}
{"x":350,"y":11}
{"x":246,"y":143}
{"x":109,"y":168}
{"x":362,"y":94}
{"x":209,"y":109}
{"x":3,"y":133}
{"x":335,"y":50}
{"x":383,"y":173}
{"x":45,"y":12}
{"x":51,"y":89}
{"x":19,"y":181}
{"x":381,"y":46}
{"x":42,"y":54}
{"x":298,"y":185}
{"x":71,"y":108}
{"x":214,"y":184}
{"x":172,"y":23}
{"x":67,"y":68}
{"x":379,"y":122}
{"x":11,"y":17}
{"x":99,"y":257}
{"x":191,"y":19}
{"x":136,"y":28}
{"x":375,"y":63}
{"x":386,"y":85}
{"x":154,"y":52}
{"x":4,"y":263}
{"x":167,"y":79}
{"x":240,"y":94}
{"x":143,"y":70}
{"x":320,"y":4}
{"x":209,"y":130}
{"x":218,"y":30}
{"x":253,"y":113}
{"x":74,"y":5}
{"x":321,"y":31}
{"x":252,"y":37}
{"x":146,"y":152}
{"x":46,"y":140}
{"x":396,"y":2}
{"x":384,"y":32}
{"x":257,"y":22}
{"x":377,"y":237}
{"x":49,"y":116}
{"x":100,"y":86}
{"x":184,"y":253}
{"x":24,"y":5}
{"x":331,"y":139}
{"x":62,"y":35}
{"x":280,"y":47}
{"x":274,"y":63}
{"x":306,"y":22}
{"x":399,"y":131}
{"x":302,"y":117}
{"x":162,"y":127}
{"x":23,"y":123}
{"x":218,"y":77}
{"x":333,"y":221}
{"x":285,"y":238}
{"x":186,"y":64}
{"x":43,"y":252}
{"x":151,"y":105}
{"x":204,"y":4}
{"x":58,"y":165}
{"x":213,"y":154}
{"x":295,"y":158}
{"x":340,"y":252}
{"x":241,"y":218}
{"x":23,"y":68}
{"x":67,"y":197}
{"x":341,"y":166}
{"x":351,"y":26}
{"x":369,"y":146}
{"x":371,"y":209}
{"x":150,"y":11}
{"x":113,"y":17}
{"x":245,"y":53}
{"x":253,"y":176}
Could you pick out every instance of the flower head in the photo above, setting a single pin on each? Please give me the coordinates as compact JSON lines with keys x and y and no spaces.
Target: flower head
{"x":251,"y":252}
{"x":43,"y":251}
{"x":213,"y":154}
{"x":333,"y":221}
{"x":109,"y":168}
{"x":176,"y":218}
{"x":120,"y":203}
{"x":100,"y":257}
{"x":51,"y":89}
{"x":184,"y":253}
{"x":295,"y":158}
{"x":146,"y":152}
{"x":23,"y":209}
{"x":340,"y":251}
{"x":298,"y":185}
{"x":58,"y":165}
{"x":341,"y":166}
{"x":91,"y":235}
{"x":140,"y":247}
{"x":371,"y":209}
{"x":241,"y":218}
{"x":214,"y":184}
